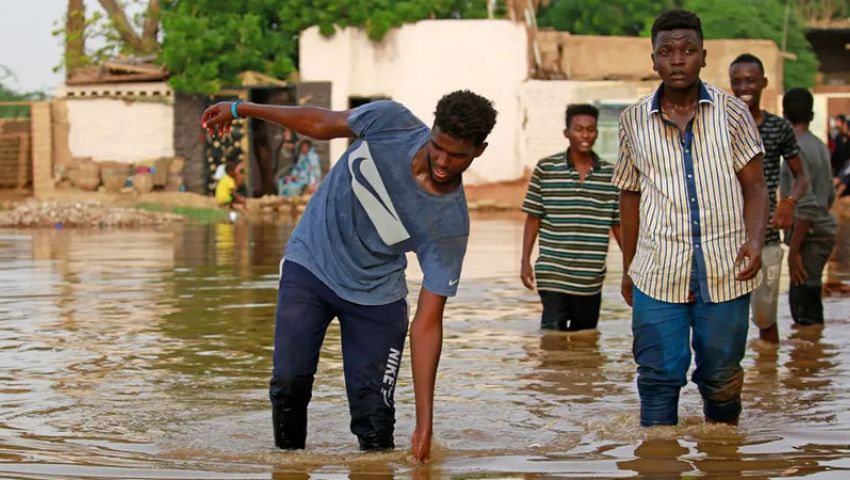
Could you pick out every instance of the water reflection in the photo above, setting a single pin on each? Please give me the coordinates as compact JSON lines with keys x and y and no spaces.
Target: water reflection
{"x":147,"y":353}
{"x":658,"y":457}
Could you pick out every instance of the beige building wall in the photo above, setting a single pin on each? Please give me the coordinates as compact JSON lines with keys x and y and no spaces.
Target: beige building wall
{"x":42,"y":148}
{"x":418,"y":63}
{"x":592,"y":57}
{"x":121,"y":123}
{"x":820,"y":124}
{"x":544,"y":105}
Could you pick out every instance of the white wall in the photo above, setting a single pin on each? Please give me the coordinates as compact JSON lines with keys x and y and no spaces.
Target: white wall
{"x":120,"y":129}
{"x":820,"y":124}
{"x":544,"y":104}
{"x":419,"y":63}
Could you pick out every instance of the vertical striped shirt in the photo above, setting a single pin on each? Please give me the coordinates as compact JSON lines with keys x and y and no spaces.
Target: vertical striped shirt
{"x":575,"y":217}
{"x":691,"y":204}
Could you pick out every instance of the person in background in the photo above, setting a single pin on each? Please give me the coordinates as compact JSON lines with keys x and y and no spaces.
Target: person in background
{"x":841,"y":145}
{"x":305,"y":176}
{"x":572,"y":204}
{"x":286,"y":153}
{"x":812,"y":237}
{"x":226,"y":191}
{"x":746,"y":76}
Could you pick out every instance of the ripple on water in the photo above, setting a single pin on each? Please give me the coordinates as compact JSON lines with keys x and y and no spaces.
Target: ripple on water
{"x":136,"y":354}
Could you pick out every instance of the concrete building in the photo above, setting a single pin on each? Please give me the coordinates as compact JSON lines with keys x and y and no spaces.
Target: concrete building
{"x":124,"y":123}
{"x":417,"y":63}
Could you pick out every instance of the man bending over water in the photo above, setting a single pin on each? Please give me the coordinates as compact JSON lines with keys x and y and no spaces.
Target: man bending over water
{"x":396,"y":189}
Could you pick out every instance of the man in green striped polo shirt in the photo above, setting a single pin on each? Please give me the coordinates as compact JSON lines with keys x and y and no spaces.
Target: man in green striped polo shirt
{"x":572,"y":204}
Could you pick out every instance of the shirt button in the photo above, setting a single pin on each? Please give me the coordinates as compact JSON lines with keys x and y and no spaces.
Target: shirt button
{"x":690,"y":176}
{"x":696,"y":222}
{"x":687,"y":150}
{"x":697,"y":246}
{"x":693,"y":199}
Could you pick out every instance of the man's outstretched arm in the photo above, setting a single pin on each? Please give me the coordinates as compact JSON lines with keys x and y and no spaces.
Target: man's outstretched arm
{"x":629,"y":229}
{"x":755,"y":216}
{"x":426,"y":343}
{"x":314,"y":122}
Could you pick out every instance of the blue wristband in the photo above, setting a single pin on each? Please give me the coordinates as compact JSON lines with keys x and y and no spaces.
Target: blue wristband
{"x":233,"y":108}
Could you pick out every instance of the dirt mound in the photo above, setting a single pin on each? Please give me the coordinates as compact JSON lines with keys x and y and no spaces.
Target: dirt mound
{"x":80,"y":214}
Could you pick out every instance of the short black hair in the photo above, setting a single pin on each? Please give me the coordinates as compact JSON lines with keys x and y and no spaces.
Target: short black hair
{"x":841,"y":117}
{"x":230,"y":166}
{"x":748,"y":58}
{"x":465,"y":115}
{"x":798,"y":105}
{"x":676,"y":19}
{"x":581,"y":109}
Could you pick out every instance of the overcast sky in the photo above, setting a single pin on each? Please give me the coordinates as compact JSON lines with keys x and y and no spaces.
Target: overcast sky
{"x":27,"y":47}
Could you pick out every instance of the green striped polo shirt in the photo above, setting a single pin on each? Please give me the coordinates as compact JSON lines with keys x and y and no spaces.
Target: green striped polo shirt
{"x":575,"y":218}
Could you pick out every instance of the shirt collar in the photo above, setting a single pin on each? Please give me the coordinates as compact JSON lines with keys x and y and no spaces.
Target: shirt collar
{"x":593,"y":155}
{"x":704,"y":97}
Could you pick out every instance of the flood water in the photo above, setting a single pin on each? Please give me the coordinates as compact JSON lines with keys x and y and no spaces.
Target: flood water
{"x":146,"y":354}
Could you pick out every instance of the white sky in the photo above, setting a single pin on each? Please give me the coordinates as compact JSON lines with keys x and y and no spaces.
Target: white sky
{"x":27,"y":47}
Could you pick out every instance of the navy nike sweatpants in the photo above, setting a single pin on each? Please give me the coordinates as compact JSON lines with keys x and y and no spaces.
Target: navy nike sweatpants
{"x":372,"y":345}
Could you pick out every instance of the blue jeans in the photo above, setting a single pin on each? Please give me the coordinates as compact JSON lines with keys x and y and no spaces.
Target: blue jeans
{"x":661,"y":334}
{"x":372,"y":344}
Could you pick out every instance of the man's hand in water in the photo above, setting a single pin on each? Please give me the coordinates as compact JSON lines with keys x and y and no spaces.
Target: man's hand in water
{"x":217,"y":119}
{"x":627,"y":289}
{"x":420,"y":445}
{"x":526,"y":273}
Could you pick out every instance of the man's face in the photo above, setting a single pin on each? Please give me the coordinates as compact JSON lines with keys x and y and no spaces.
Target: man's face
{"x":582,"y":133}
{"x":449,"y":157}
{"x":747,"y":81}
{"x":678,"y":56}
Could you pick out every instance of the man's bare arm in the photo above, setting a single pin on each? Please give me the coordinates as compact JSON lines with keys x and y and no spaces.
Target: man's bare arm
{"x":629,"y":226}
{"x":529,"y":236}
{"x":784,"y":215}
{"x":314,"y":122}
{"x":755,"y":216}
{"x":426,"y":343}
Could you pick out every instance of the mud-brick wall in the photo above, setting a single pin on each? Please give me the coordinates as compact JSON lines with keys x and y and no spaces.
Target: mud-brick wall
{"x":15,"y":135}
{"x":189,"y":139}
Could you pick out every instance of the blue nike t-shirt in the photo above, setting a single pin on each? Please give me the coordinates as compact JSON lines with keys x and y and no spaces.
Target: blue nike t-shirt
{"x":370,"y":211}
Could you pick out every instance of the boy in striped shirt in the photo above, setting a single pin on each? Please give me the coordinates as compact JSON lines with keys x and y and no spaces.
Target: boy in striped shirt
{"x":746,"y":76}
{"x":572,"y":204}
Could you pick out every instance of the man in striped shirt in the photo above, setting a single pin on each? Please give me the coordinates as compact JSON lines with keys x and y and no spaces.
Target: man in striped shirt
{"x":693,"y":207}
{"x":572,"y":204}
{"x":746,"y":76}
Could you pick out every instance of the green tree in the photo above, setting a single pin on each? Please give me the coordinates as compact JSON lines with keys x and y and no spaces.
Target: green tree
{"x":9,"y":95}
{"x":602,"y":17}
{"x":119,"y":33}
{"x":823,"y":10}
{"x":764,"y":19}
{"x":207,"y":43}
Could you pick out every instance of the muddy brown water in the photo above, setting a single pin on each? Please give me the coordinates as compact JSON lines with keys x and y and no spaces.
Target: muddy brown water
{"x":146,"y":354}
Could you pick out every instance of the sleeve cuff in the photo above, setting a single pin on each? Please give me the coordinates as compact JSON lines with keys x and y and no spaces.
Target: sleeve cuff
{"x":747,"y":156}
{"x":623,"y":184}
{"x":443,"y":292}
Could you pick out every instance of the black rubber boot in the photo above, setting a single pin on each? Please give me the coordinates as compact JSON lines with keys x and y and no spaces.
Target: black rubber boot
{"x":376,"y":442}
{"x":290,"y":428}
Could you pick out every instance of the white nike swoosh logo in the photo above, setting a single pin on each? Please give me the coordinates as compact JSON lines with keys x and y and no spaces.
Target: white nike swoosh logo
{"x":380,"y":208}
{"x":452,"y":283}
